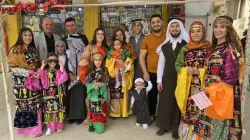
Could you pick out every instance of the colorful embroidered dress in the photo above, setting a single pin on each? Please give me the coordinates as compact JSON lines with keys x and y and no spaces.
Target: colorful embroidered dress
{"x":189,"y":58}
{"x":98,"y":97}
{"x":27,"y":100}
{"x":52,"y":82}
{"x":224,"y":64}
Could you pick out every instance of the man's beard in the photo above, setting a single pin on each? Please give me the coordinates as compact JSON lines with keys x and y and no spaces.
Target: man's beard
{"x":175,"y":35}
{"x":157,"y":31}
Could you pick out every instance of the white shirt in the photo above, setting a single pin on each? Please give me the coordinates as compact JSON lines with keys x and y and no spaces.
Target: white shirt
{"x":162,"y":60}
{"x":149,"y":87}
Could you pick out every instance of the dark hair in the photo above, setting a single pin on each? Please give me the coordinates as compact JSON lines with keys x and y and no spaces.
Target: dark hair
{"x":20,"y":38}
{"x":94,"y":41}
{"x":69,"y":20}
{"x":230,"y":38}
{"x":124,"y":37}
{"x":52,"y":54}
{"x":155,"y":15}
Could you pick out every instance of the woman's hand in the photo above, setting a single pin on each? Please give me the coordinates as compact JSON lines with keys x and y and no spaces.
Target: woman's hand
{"x":190,"y":71}
{"x":36,"y":75}
{"x":120,"y":61}
{"x":84,"y":62}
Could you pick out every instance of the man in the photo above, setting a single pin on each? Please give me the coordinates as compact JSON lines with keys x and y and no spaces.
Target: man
{"x":75,"y":44}
{"x":125,"y":30}
{"x":148,"y":59}
{"x":45,"y":41}
{"x":135,"y":40}
{"x":168,"y":113}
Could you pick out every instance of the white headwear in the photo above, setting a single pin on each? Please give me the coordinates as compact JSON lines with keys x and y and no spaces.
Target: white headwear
{"x":139,"y":80}
{"x":183,"y":35}
{"x":131,"y":31}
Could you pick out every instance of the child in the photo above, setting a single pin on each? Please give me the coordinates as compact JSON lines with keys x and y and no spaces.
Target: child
{"x":118,"y":53}
{"x":139,"y":103}
{"x":53,"y":75}
{"x":96,"y":83}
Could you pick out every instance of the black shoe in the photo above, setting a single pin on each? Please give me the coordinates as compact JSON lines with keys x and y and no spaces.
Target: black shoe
{"x":153,"y":118}
{"x":175,"y":135}
{"x":161,"y":132}
{"x":71,"y":121}
{"x":91,"y":129}
{"x":78,"y":122}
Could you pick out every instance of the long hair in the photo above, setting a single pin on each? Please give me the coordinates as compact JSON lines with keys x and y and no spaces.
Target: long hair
{"x":230,"y":38}
{"x":20,"y":41}
{"x":94,"y":41}
{"x":124,"y":37}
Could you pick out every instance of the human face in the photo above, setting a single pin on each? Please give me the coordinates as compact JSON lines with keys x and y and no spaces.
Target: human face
{"x":139,"y":85}
{"x":98,"y":62}
{"x":27,"y":37}
{"x":100,"y":36}
{"x":196,"y":34}
{"x":137,"y":28}
{"x":59,"y":48}
{"x":119,"y":35}
{"x":48,"y":25}
{"x":156,"y":24}
{"x":220,"y":32}
{"x":175,"y":29}
{"x":117,"y":45}
{"x":71,"y":27}
{"x":52,"y":61}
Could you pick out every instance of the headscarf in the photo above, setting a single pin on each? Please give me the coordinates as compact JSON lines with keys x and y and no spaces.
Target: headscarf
{"x":203,"y":43}
{"x":228,"y":22}
{"x":143,"y":24}
{"x":183,"y":34}
{"x":60,"y":42}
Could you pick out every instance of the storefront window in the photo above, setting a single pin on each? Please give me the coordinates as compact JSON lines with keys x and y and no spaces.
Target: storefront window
{"x":113,"y":16}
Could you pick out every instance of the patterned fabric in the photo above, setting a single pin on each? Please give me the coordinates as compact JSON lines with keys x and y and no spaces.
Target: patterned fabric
{"x":191,"y":58}
{"x":98,"y":97}
{"x":53,"y":99}
{"x":224,"y":65}
{"x":27,"y":102}
{"x":131,"y":51}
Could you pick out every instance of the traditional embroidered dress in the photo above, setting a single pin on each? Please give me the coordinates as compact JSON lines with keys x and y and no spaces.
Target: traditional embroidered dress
{"x":193,"y":55}
{"x":119,"y":97}
{"x":52,"y":82}
{"x":28,"y":116}
{"x":98,"y":97}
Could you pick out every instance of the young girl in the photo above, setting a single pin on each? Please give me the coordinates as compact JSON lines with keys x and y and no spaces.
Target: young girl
{"x":53,"y":75}
{"x":118,"y":53}
{"x":96,"y":83}
{"x":139,"y":103}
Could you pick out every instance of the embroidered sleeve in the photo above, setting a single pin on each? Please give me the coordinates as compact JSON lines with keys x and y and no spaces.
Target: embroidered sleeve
{"x":86,"y":53}
{"x":179,"y":64}
{"x":131,"y":51}
{"x":230,"y":74}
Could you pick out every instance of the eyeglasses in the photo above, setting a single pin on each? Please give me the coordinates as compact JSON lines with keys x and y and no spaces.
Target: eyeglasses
{"x":52,"y":60}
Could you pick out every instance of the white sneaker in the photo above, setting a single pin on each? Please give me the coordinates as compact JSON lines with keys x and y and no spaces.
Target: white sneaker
{"x":137,"y":124}
{"x":59,"y":130}
{"x":48,"y":132}
{"x":145,"y":126}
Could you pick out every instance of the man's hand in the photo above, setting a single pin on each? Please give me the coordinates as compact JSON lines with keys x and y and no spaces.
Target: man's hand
{"x":146,"y":76}
{"x":159,"y":87}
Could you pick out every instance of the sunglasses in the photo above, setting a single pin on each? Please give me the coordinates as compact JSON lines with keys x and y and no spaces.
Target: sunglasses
{"x":52,"y":60}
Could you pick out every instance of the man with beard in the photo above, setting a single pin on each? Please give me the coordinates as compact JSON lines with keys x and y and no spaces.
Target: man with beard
{"x":148,"y":59}
{"x":168,"y":113}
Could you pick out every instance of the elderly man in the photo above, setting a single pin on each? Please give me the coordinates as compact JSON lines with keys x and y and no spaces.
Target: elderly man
{"x":45,"y":41}
{"x":168,"y":113}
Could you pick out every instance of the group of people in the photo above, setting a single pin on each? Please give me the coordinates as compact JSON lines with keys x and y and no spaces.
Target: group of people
{"x":71,"y":79}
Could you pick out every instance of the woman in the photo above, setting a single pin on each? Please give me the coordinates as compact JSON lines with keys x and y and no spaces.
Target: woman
{"x":191,"y":65}
{"x":22,"y":59}
{"x":119,"y":105}
{"x":98,"y":44}
{"x":222,"y":120}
